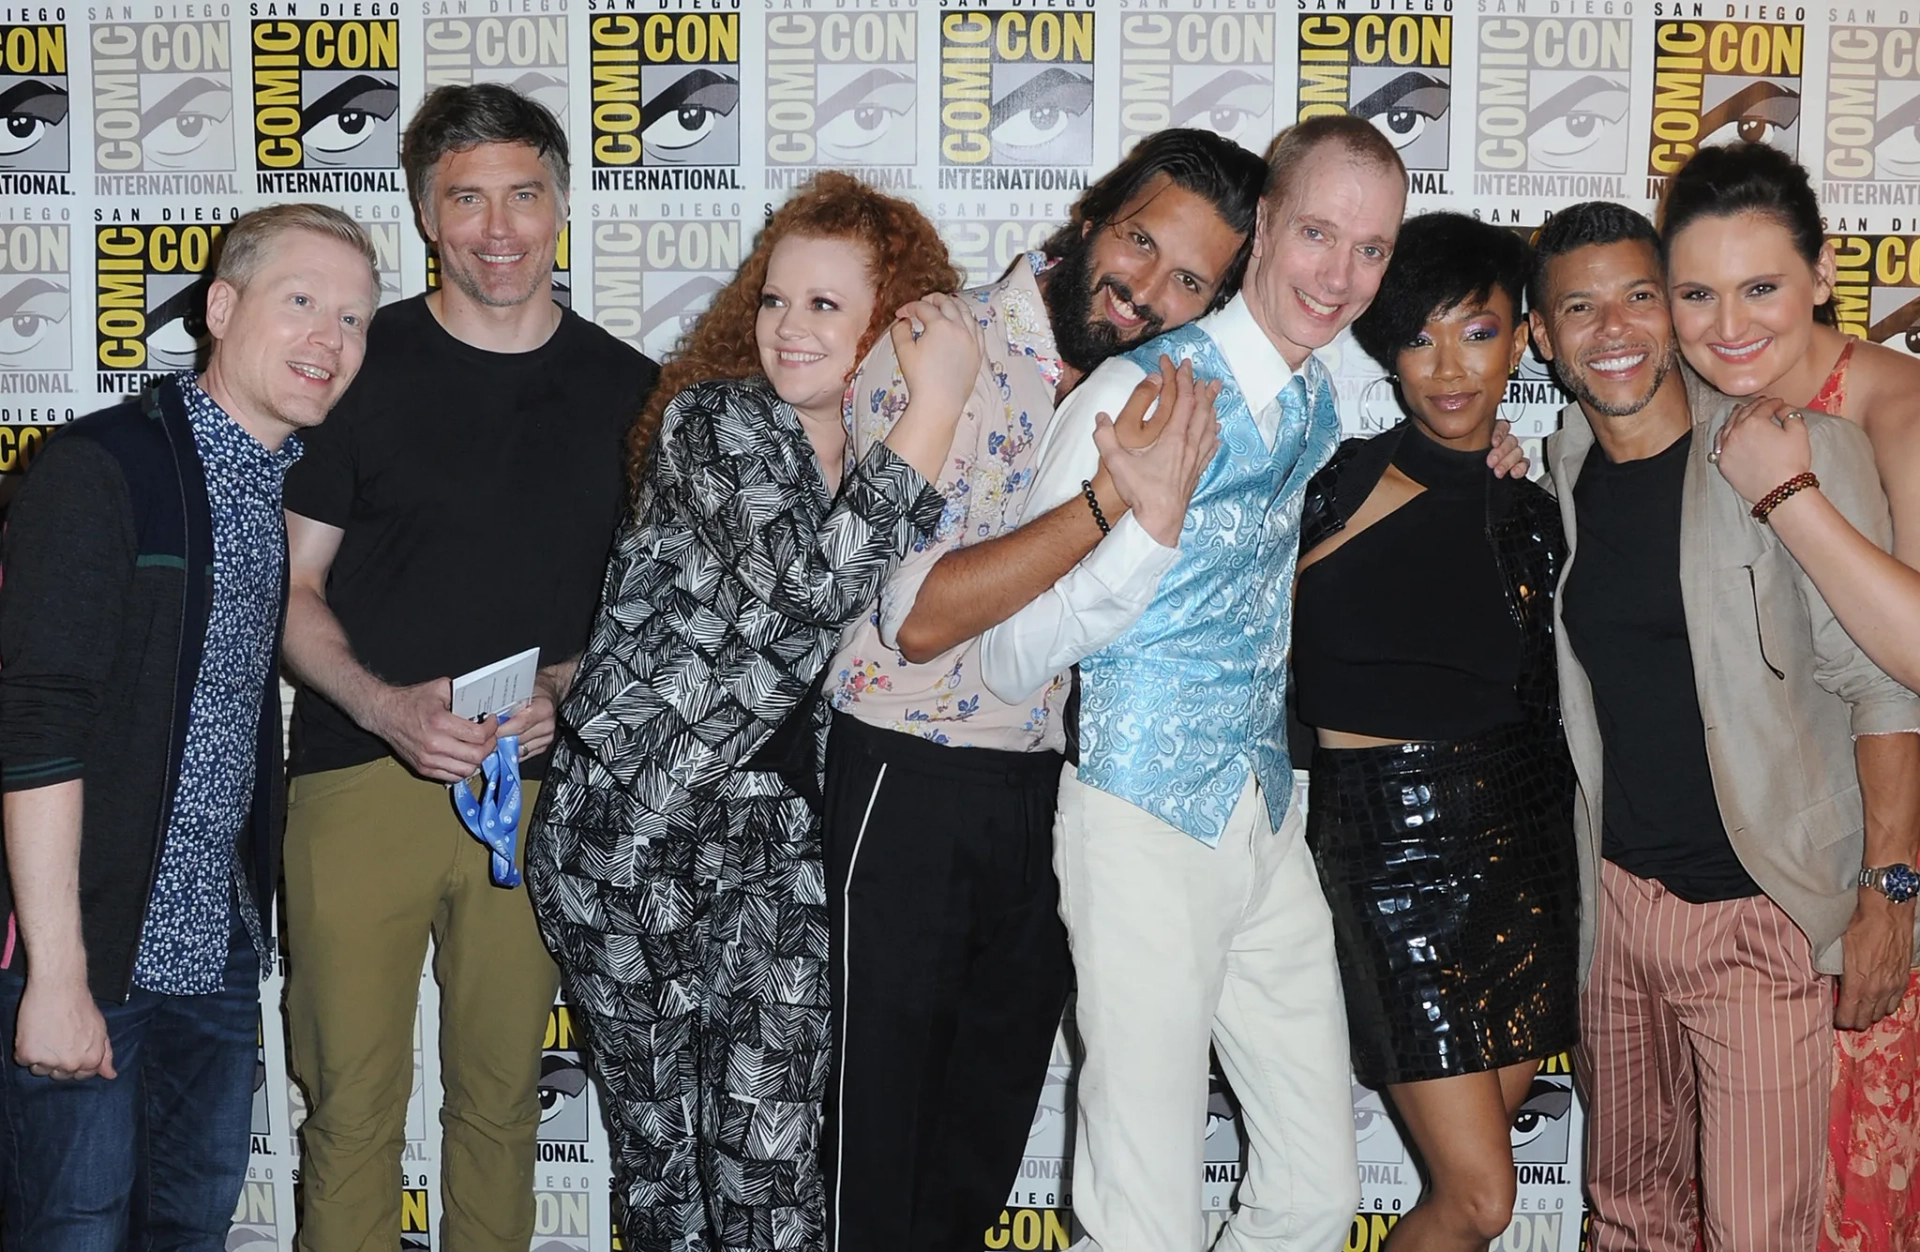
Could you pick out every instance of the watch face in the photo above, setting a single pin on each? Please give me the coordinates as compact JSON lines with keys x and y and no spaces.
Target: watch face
{"x":1900,"y":883}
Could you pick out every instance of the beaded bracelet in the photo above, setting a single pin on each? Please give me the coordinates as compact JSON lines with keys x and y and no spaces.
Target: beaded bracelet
{"x":1093,"y":502}
{"x":1773,"y":499}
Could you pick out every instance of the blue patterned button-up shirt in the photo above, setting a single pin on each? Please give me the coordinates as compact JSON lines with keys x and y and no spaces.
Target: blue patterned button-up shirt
{"x":183,"y":948}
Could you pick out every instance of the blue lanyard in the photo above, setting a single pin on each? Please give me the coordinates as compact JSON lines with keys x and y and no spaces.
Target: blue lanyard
{"x":494,"y":817}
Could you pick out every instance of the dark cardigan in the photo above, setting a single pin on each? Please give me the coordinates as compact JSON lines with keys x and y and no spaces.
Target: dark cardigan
{"x":108,"y":559}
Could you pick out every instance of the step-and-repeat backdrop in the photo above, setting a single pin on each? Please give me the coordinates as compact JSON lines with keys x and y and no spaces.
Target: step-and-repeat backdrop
{"x":131,"y":133}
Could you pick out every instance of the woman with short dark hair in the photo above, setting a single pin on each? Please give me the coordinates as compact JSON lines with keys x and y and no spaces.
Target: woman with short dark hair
{"x":1441,"y":806}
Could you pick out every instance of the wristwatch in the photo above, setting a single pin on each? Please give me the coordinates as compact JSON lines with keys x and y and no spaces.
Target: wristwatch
{"x":1899,"y":883}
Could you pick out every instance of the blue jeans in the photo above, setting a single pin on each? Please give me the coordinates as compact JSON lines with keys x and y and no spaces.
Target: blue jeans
{"x":152,"y":1160}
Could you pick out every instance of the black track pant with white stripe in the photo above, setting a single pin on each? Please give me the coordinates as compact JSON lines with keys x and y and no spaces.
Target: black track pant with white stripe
{"x":949,"y":973}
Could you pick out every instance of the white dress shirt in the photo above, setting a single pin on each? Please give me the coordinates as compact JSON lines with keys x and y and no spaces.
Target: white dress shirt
{"x":1101,"y":597}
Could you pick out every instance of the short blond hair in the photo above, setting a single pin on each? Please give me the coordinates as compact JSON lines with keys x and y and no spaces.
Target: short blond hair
{"x":245,"y":245}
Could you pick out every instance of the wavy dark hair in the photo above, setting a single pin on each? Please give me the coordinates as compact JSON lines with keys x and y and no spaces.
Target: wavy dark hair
{"x":1441,"y":261}
{"x":909,"y":259}
{"x":458,"y":118}
{"x":1218,"y":170}
{"x":1726,"y":180}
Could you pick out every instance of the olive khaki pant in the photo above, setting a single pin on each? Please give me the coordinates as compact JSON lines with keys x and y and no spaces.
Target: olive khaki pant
{"x":376,"y":860}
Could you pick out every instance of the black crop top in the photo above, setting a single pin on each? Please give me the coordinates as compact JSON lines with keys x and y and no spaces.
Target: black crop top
{"x":1404,"y":631}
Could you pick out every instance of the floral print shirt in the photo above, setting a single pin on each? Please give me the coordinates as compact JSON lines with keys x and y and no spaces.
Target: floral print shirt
{"x":183,"y":947}
{"x":985,"y":484}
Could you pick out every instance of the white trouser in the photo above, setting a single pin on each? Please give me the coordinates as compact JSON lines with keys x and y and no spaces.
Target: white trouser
{"x":1176,"y":943}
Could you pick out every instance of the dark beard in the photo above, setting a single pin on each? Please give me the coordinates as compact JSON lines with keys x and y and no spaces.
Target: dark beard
{"x":1084,"y":340}
{"x":1583,"y":393}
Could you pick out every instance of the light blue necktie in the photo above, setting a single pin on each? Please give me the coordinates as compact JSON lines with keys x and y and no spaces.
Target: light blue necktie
{"x":1294,"y":414}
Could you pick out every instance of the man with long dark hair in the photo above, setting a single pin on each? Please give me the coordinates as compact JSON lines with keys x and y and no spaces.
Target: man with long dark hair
{"x":949,"y":960}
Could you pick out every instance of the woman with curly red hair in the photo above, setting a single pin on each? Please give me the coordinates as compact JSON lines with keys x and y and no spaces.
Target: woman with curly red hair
{"x":675,"y":861}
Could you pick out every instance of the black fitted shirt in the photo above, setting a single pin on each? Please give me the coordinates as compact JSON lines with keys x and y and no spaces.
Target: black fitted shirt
{"x":1626,"y":622}
{"x":1404,"y":630}
{"x":478,"y":492}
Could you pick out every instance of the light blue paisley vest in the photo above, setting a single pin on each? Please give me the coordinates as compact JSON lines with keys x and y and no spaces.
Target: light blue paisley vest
{"x":1175,"y":711}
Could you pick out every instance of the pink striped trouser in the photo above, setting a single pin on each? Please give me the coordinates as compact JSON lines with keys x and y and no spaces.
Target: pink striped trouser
{"x":1706,"y":1057}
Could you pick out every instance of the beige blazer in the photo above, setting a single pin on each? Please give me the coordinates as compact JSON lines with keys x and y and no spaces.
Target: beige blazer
{"x":1782,"y":687}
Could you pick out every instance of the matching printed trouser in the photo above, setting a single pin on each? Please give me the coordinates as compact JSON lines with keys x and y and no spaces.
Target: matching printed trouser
{"x":702,"y":987}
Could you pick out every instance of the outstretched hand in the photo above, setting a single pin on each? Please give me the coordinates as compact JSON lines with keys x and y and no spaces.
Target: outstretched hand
{"x":1160,"y":445}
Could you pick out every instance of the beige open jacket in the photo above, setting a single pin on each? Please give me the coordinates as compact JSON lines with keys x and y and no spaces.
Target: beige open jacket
{"x":1783,"y":689}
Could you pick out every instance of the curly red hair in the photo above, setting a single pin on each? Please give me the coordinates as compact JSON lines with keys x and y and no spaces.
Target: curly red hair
{"x":909,"y":259}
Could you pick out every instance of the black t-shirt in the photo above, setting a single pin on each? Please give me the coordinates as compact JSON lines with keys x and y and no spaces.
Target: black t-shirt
{"x":1627,"y":624}
{"x":478,"y":492}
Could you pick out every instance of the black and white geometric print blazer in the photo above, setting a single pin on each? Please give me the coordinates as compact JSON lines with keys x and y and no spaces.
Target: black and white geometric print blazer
{"x":724,"y":598}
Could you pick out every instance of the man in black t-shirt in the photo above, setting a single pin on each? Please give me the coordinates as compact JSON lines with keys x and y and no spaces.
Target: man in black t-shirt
{"x":1725,"y":732}
{"x":457,"y":508}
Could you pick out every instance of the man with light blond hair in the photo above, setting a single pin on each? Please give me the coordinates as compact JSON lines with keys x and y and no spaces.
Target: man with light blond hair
{"x":146,"y":580}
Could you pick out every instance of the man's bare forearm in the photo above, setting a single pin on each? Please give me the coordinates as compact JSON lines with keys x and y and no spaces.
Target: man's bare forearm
{"x":1889,"y":767}
{"x":558,"y":677}
{"x":43,"y":867}
{"x":317,"y":654}
{"x":971,"y":590}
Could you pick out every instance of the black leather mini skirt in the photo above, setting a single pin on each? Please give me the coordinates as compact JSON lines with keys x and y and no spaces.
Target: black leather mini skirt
{"x":1451,"y":874}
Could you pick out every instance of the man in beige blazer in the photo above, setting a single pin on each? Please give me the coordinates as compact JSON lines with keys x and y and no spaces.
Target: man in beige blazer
{"x":1739,"y":761}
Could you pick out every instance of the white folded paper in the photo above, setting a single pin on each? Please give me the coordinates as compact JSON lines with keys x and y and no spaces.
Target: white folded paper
{"x":496,"y":689}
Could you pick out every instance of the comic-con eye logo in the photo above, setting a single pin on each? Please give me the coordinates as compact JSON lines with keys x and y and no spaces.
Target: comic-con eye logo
{"x":151,"y":300}
{"x":1553,"y":95}
{"x":162,"y":97}
{"x":653,"y":279}
{"x":33,"y":98}
{"x":841,"y":90}
{"x":563,"y":1083}
{"x":528,"y":54}
{"x":1873,"y":106}
{"x":1541,"y":1129}
{"x":1209,"y":72}
{"x":1376,"y":1139}
{"x":1397,"y":72}
{"x":1722,"y":82}
{"x":1016,"y":89}
{"x":1877,"y":289}
{"x":326,"y":95}
{"x":666,"y":89}
{"x":36,"y":298}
